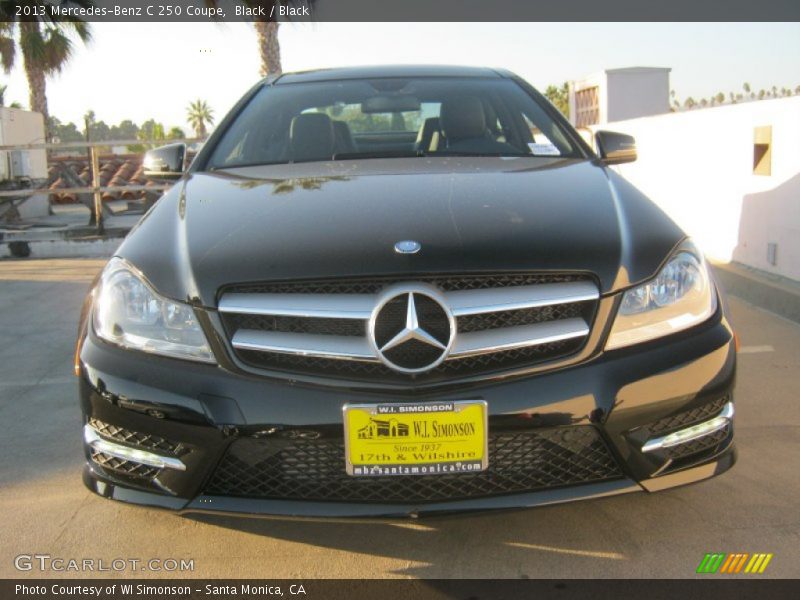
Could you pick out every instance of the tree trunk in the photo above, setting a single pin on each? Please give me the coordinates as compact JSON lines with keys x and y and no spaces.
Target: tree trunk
{"x":269,"y":47}
{"x":37,"y":83}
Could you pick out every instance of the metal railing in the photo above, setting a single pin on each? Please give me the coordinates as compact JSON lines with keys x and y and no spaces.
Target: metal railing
{"x":97,"y":190}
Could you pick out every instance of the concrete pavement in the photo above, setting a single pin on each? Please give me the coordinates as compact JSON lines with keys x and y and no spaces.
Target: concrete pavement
{"x":46,"y":510}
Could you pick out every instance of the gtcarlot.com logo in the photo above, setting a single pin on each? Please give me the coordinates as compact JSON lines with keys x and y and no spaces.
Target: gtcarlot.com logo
{"x":46,"y":562}
{"x":732,"y":564}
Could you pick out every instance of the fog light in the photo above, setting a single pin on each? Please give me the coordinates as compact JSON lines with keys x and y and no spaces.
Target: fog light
{"x":150,"y":459}
{"x":692,"y":433}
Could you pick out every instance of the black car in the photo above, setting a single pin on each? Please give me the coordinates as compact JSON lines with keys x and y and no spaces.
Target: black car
{"x":395,"y":291}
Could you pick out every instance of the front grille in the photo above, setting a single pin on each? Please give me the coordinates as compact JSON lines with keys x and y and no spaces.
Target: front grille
{"x":134,"y":438}
{"x":519,"y":461}
{"x":686,"y":418}
{"x":277,"y":336}
{"x":124,"y":467}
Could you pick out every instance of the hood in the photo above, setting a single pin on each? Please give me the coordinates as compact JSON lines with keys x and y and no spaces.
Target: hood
{"x":342,"y":219}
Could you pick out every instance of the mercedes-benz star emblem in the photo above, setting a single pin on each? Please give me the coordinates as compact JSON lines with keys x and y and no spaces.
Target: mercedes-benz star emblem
{"x":411,"y":329}
{"x":407,"y":247}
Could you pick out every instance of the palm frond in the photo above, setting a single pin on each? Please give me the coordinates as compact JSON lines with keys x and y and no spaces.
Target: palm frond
{"x":32,"y":43}
{"x":81,"y":29}
{"x":58,"y":50}
{"x":8,"y":52}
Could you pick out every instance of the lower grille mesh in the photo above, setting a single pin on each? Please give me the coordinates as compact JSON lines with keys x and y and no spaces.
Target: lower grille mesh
{"x":133,"y":438}
{"x":124,"y":467}
{"x":519,"y":461}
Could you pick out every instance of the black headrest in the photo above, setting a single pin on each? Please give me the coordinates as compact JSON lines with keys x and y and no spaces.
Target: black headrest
{"x":311,"y":137}
{"x":429,"y":126}
{"x":343,"y":138}
{"x":463,"y":118}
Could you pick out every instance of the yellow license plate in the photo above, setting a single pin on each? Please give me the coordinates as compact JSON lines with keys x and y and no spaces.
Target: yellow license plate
{"x":426,"y":438}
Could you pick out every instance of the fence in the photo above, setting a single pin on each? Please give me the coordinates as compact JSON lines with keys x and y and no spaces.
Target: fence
{"x":26,"y":189}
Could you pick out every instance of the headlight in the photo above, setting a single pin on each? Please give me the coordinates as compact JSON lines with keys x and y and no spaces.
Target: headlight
{"x":679,"y":297}
{"x":129,"y":313}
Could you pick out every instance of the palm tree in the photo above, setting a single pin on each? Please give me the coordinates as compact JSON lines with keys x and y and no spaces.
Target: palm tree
{"x":3,"y":89}
{"x":198,"y":114}
{"x":267,"y":31}
{"x":269,"y":47}
{"x":46,"y":45}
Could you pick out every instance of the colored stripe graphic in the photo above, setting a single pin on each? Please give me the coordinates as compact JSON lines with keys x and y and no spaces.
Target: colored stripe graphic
{"x":734,"y":563}
{"x":758,"y":563}
{"x":722,"y":563}
{"x":741,"y":562}
{"x":711,"y":563}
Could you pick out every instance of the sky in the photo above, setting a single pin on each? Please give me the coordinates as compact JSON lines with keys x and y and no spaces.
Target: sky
{"x":141,"y":71}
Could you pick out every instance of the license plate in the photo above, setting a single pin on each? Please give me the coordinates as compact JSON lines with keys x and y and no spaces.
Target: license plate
{"x":427,"y":438}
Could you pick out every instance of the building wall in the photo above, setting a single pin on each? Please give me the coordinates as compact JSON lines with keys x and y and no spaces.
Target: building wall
{"x":637,"y":92}
{"x":625,"y":93}
{"x":22,"y":127}
{"x":698,"y":166}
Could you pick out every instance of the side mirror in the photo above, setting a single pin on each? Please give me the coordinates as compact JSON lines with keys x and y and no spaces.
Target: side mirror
{"x":615,"y":148}
{"x":165,"y":162}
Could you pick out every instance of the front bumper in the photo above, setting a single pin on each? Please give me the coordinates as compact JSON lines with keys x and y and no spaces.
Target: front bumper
{"x":198,"y":413}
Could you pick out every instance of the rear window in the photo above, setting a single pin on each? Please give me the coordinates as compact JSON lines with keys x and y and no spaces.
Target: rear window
{"x":393,"y":117}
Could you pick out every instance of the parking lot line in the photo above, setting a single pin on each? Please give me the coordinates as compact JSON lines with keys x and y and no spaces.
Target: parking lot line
{"x":755,"y":349}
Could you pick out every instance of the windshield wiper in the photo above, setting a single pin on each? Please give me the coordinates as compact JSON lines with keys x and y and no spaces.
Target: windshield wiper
{"x":379,"y":154}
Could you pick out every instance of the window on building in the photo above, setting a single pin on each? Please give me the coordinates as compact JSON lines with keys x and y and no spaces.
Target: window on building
{"x":587,"y":107}
{"x":762,"y":150}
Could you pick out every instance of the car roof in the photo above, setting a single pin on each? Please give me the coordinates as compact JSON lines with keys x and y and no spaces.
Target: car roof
{"x":371,"y":72}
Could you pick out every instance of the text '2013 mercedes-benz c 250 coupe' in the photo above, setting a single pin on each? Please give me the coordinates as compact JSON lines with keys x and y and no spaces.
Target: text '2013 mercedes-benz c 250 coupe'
{"x":396,"y":291}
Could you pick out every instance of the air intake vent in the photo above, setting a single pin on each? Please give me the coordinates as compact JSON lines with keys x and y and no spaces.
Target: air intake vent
{"x":519,"y":461}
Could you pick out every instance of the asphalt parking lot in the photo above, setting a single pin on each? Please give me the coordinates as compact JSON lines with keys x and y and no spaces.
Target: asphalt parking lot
{"x":46,"y":510}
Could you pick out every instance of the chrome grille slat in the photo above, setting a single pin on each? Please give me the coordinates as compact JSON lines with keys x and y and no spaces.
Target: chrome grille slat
{"x":324,"y":306}
{"x":475,"y":302}
{"x":468,"y":344}
{"x":359,"y":306}
{"x":511,"y":338}
{"x":322,"y":346}
{"x":505,"y":317}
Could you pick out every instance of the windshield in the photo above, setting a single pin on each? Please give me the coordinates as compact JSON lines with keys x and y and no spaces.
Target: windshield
{"x":393,"y":117}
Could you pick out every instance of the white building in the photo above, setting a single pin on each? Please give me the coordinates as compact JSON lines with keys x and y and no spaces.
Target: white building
{"x":617,"y":94}
{"x":729,"y":175}
{"x":18,"y":128}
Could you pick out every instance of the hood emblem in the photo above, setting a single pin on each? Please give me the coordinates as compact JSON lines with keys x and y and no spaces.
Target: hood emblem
{"x":407,"y":247}
{"x":411,"y":329}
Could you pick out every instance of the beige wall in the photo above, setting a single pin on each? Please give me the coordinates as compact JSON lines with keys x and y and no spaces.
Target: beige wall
{"x":698,"y":166}
{"x":19,"y":126}
{"x":637,"y":92}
